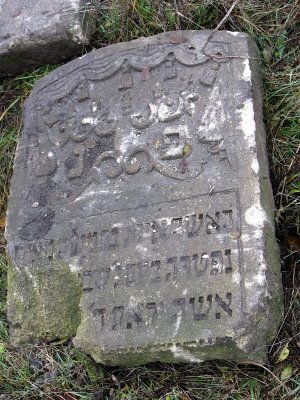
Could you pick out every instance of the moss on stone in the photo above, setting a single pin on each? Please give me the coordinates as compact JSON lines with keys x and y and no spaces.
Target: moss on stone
{"x":43,"y":303}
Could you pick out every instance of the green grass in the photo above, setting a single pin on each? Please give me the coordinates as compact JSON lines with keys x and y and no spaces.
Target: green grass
{"x":58,"y":371}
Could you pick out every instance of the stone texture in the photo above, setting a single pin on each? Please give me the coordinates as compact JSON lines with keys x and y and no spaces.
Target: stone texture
{"x":40,"y":32}
{"x":140,"y":216}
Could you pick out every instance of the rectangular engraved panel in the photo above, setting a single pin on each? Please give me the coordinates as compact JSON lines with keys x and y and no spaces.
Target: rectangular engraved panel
{"x":158,"y":289}
{"x":140,"y":218}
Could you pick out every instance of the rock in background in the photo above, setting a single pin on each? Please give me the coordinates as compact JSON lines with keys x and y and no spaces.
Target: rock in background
{"x":46,"y":31}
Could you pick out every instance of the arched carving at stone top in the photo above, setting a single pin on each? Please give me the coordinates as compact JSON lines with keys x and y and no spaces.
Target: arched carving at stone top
{"x":150,"y":97}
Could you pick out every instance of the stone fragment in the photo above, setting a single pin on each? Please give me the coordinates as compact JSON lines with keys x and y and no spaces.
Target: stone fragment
{"x":40,"y":32}
{"x":141,"y":217}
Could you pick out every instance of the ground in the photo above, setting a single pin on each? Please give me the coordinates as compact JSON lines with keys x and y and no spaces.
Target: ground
{"x":57,"y":370}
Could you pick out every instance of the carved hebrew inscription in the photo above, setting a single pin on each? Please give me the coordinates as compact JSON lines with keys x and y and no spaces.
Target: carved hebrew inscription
{"x":129,"y":256}
{"x":192,"y":309}
{"x":151,"y":120}
{"x":140,"y":267}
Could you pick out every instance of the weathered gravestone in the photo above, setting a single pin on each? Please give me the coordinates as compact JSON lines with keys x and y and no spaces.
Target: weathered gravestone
{"x":40,"y":32}
{"x":140,"y":215}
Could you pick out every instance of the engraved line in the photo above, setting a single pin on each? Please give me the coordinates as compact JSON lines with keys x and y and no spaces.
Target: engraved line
{"x":227,"y":191}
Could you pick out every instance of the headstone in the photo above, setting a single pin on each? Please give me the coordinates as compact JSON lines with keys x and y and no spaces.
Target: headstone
{"x":40,"y":32}
{"x":141,"y":216}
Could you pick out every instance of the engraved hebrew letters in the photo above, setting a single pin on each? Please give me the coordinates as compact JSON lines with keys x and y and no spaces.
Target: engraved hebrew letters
{"x":159,"y":135}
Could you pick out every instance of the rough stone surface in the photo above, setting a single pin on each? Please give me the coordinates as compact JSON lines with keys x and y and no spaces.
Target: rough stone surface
{"x":140,"y":216}
{"x":39,"y":32}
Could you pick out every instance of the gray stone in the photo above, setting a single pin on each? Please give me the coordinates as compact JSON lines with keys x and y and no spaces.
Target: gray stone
{"x":40,"y":32}
{"x":140,"y":216}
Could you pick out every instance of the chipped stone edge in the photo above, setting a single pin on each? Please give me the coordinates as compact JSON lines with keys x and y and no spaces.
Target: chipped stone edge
{"x":34,"y":315}
{"x":267,"y":312}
